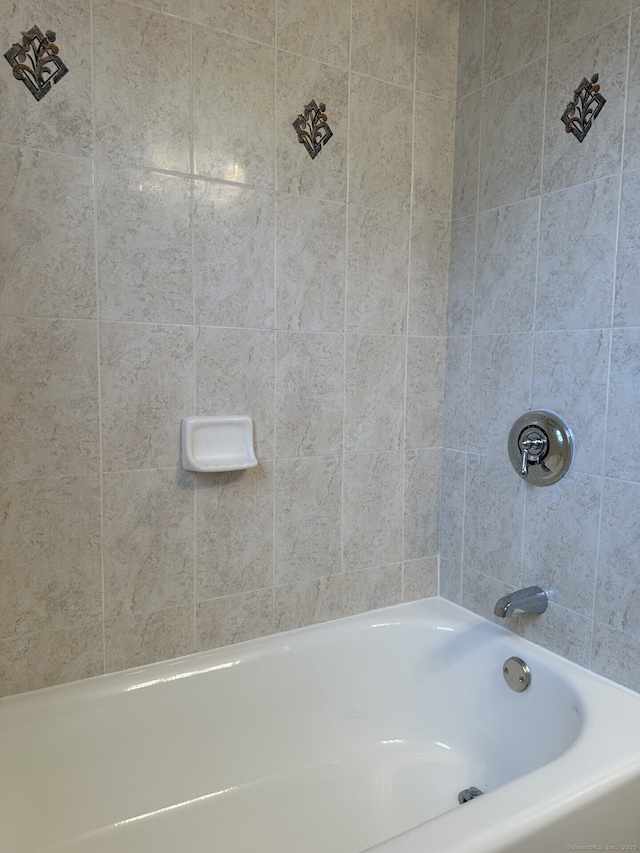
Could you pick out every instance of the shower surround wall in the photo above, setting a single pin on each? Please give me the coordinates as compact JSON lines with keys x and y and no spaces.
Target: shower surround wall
{"x":544,"y":312}
{"x":168,"y":249}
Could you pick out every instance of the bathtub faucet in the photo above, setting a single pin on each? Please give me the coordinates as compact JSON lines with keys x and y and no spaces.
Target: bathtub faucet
{"x":529,"y":600}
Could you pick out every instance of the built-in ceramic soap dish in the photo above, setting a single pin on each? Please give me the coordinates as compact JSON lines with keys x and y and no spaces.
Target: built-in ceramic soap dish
{"x":218,"y":444}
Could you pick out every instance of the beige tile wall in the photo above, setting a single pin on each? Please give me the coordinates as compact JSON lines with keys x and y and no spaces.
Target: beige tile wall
{"x":168,"y":248}
{"x":543,"y":313}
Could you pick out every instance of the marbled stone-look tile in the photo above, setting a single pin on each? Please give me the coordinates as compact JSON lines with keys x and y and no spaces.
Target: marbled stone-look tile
{"x":561,"y":540}
{"x":300,"y":81}
{"x":179,"y":8}
{"x":142,"y":104}
{"x":462,"y":276}
{"x":499,"y":388}
{"x":50,"y":571}
{"x":374,"y":392}
{"x":50,"y":657}
{"x":47,"y":253}
{"x":144,"y":246}
{"x":429,"y":276}
{"x":253,"y":19}
{"x":602,"y":52}
{"x":49,"y":409}
{"x":624,"y":405}
{"x":511,"y":128}
{"x":516,"y":34}
{"x":235,"y":375}
{"x":148,"y":529}
{"x":61,"y":121}
{"x":434,"y":139}
{"x":372,"y":515}
{"x":464,"y":193}
{"x":571,"y":19}
{"x":558,"y":629}
{"x":632,"y":118}
{"x":233,"y":248}
{"x":617,"y":599}
{"x":450,"y":580}
{"x":316,"y":30}
{"x":233,"y":109}
{"x":383,"y":39}
{"x":470,"y":47}
{"x":377,"y":272}
{"x":380,"y":161}
{"x":425,"y":392}
{"x":310,"y":264}
{"x":507,"y":253}
{"x":308,"y":526}
{"x":421,"y":504}
{"x":570,"y":376}
{"x":137,"y":639}
{"x":437,"y":47}
{"x":307,"y":602}
{"x":452,"y":493}
{"x":493,"y":519}
{"x":420,"y":579}
{"x":309,"y":393}
{"x":566,"y":258}
{"x":616,"y":655}
{"x":234,"y":619}
{"x":456,"y":393}
{"x":627,"y":260}
{"x":369,"y":589}
{"x":147,"y":387}
{"x":234,"y":532}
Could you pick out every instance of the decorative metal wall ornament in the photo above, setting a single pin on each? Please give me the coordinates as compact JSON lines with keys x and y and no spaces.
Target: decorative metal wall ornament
{"x":36,"y":62}
{"x":584,"y":107}
{"x":312,"y":128}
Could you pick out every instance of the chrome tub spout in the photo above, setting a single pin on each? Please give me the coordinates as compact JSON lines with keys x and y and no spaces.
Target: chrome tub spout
{"x":533,"y":599}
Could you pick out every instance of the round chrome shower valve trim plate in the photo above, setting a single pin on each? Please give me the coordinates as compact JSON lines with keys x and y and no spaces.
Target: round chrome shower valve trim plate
{"x":540,"y":447}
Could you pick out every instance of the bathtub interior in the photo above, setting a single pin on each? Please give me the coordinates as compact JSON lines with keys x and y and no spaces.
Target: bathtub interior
{"x":329,"y":738}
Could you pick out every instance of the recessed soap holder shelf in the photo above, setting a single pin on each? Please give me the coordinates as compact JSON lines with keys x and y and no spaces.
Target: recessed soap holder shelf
{"x":218,"y":443}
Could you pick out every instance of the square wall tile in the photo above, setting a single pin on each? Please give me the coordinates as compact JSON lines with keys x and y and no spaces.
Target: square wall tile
{"x":135,"y":640}
{"x":380,"y":159}
{"x":233,"y":248}
{"x":377,"y":271}
{"x":571,"y":19}
{"x":144,"y":246}
{"x":148,"y":532}
{"x":372,"y":515}
{"x":462,"y":274}
{"x":308,"y":518}
{"x":49,"y":414}
{"x":632,"y":118}
{"x":429,"y":276}
{"x":421,"y":504}
{"x":624,"y":405}
{"x":433,"y":148}
{"x":466,"y":157}
{"x":235,"y":375}
{"x":309,"y":393}
{"x":370,"y":589}
{"x":471,"y":15}
{"x":420,"y":579}
{"x":47,"y":252}
{"x":616,"y":655}
{"x":374,"y":392}
{"x":233,"y":109}
{"x":308,"y":602}
{"x":452,"y":495}
{"x":383,"y":39}
{"x":142,"y":105}
{"x":234,"y":532}
{"x":511,"y":128}
{"x":425,"y":392}
{"x":147,"y":384}
{"x":566,"y":262}
{"x":315,"y":30}
{"x":515,"y":35}
{"x":299,"y":82}
{"x":50,"y":569}
{"x":252,"y":19}
{"x":437,"y":47}
{"x":456,"y":393}
{"x":627,"y":260}
{"x":61,"y":121}
{"x":234,"y":619}
{"x":602,"y":52}
{"x":310,"y":264}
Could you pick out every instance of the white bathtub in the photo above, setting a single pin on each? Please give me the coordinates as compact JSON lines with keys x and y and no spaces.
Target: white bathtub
{"x":330,"y":739}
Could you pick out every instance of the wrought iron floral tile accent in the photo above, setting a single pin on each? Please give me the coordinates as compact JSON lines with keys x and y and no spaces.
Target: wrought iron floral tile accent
{"x":312,"y":128}
{"x":36,"y":62}
{"x":582,"y":110}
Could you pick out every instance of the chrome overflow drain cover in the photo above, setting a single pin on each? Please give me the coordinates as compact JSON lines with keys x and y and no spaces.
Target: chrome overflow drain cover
{"x":517,"y":674}
{"x":469,"y":794}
